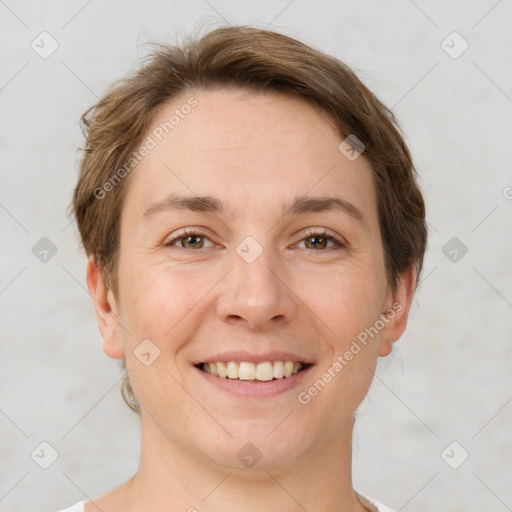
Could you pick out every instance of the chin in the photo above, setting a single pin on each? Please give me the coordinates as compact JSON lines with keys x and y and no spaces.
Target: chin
{"x":253,"y":446}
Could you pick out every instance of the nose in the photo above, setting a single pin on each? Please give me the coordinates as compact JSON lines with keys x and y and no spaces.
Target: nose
{"x":256,"y":295}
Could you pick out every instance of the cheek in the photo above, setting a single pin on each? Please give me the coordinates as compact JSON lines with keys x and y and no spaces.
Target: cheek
{"x":155,"y":298}
{"x":346,"y":307}
{"x":346,"y":300}
{"x":156,"y":308}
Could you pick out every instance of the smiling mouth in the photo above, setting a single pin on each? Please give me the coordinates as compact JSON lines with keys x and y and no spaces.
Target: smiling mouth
{"x":262,"y":372}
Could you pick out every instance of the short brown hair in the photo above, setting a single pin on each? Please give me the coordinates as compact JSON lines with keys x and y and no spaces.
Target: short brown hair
{"x":261,"y":61}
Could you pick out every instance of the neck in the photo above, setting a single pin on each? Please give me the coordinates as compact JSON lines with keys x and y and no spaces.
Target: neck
{"x":171,"y":478}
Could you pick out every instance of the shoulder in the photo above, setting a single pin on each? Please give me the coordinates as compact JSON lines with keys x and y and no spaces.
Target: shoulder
{"x":380,"y":506}
{"x":77,"y":507}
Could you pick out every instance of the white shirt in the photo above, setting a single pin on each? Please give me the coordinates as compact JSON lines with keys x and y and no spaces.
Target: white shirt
{"x":79,"y":507}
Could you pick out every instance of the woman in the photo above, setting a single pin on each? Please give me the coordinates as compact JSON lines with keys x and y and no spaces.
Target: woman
{"x":255,"y":234}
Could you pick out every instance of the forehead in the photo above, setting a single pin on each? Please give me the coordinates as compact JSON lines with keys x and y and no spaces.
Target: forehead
{"x":251,"y":148}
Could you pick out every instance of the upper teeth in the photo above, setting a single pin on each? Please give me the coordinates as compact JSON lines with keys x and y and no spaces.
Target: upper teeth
{"x":250,"y":371}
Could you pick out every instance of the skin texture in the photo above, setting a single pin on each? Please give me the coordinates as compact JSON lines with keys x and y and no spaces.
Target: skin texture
{"x":255,"y":152}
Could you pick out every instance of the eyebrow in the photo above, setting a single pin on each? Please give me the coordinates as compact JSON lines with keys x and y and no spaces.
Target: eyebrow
{"x":300,"y":206}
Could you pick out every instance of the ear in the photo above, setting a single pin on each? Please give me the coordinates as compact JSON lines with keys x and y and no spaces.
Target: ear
{"x":106,"y":310}
{"x":397,"y":311}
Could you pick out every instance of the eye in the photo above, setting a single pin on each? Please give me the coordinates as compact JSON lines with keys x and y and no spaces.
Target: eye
{"x":317,"y":240}
{"x":189,"y":239}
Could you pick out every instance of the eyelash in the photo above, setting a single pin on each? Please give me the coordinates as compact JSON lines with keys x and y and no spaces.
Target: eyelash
{"x":309,"y":234}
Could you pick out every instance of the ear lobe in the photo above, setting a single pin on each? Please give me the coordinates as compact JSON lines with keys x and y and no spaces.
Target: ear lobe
{"x":106,"y":311}
{"x":397,"y":311}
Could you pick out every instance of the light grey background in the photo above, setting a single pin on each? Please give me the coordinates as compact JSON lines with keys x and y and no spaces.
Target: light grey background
{"x":450,"y":376}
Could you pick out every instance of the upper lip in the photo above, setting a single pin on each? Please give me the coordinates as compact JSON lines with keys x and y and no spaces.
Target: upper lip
{"x":240,"y":355}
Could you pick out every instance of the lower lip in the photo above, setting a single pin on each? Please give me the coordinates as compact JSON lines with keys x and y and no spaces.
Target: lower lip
{"x":255,"y":389}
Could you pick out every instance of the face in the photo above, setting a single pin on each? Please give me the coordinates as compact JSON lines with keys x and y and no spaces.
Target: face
{"x":282,"y":261}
